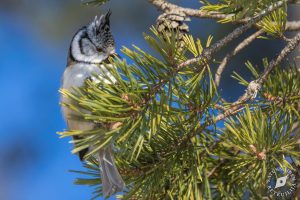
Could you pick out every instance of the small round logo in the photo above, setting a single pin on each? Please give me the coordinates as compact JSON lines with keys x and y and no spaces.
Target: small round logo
{"x":282,"y":184}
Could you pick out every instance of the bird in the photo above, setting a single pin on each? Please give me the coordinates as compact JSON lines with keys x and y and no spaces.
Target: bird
{"x":90,"y":47}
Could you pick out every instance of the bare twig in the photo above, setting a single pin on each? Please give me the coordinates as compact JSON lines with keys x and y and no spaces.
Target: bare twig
{"x":207,"y":53}
{"x":209,"y":174}
{"x":285,"y":51}
{"x":255,"y":85}
{"x":229,"y":112}
{"x":241,"y":46}
{"x":293,"y":26}
{"x":220,"y":107}
{"x":166,"y":6}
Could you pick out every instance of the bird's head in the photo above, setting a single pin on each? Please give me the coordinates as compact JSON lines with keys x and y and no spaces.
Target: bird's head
{"x":100,"y":34}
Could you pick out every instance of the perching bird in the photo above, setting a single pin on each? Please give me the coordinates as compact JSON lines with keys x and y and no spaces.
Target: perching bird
{"x":89,"y":48}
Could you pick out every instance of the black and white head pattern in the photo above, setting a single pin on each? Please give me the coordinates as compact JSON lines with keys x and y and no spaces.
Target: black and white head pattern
{"x":93,"y":43}
{"x":100,"y":34}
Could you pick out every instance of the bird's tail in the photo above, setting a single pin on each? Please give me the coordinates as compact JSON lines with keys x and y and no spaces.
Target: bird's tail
{"x":112,"y":181}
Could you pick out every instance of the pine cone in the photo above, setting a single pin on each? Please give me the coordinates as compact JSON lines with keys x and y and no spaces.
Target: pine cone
{"x":170,"y":21}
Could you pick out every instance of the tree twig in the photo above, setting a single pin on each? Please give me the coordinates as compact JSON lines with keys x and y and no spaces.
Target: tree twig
{"x":166,"y":7}
{"x":207,"y":53}
{"x":292,"y":44}
{"x":241,"y":46}
{"x":255,"y":85}
{"x":292,"y":26}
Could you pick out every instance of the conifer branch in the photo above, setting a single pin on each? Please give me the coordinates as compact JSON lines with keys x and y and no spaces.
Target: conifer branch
{"x":285,"y":51}
{"x":239,"y":47}
{"x":255,"y":85}
{"x":207,"y":54}
{"x":167,"y":6}
{"x":250,"y":93}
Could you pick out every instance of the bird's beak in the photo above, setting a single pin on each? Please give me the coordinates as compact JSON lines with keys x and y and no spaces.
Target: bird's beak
{"x":111,"y":50}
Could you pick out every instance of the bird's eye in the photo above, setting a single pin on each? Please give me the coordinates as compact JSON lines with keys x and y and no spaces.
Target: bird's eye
{"x":97,"y":32}
{"x":99,"y":49}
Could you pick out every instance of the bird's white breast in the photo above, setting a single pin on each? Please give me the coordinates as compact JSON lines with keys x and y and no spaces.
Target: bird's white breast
{"x":75,"y":75}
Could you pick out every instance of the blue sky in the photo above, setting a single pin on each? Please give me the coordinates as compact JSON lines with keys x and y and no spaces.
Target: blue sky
{"x":34,"y":162}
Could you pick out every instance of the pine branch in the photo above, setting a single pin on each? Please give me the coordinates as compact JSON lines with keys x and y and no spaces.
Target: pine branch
{"x":285,"y":51}
{"x":250,"y":94}
{"x":207,"y":54}
{"x":166,"y":7}
{"x":263,"y":141}
{"x":255,"y":85}
{"x":239,"y":47}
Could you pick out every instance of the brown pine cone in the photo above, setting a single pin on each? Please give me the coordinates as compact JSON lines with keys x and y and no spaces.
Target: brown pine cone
{"x":172,"y":21}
